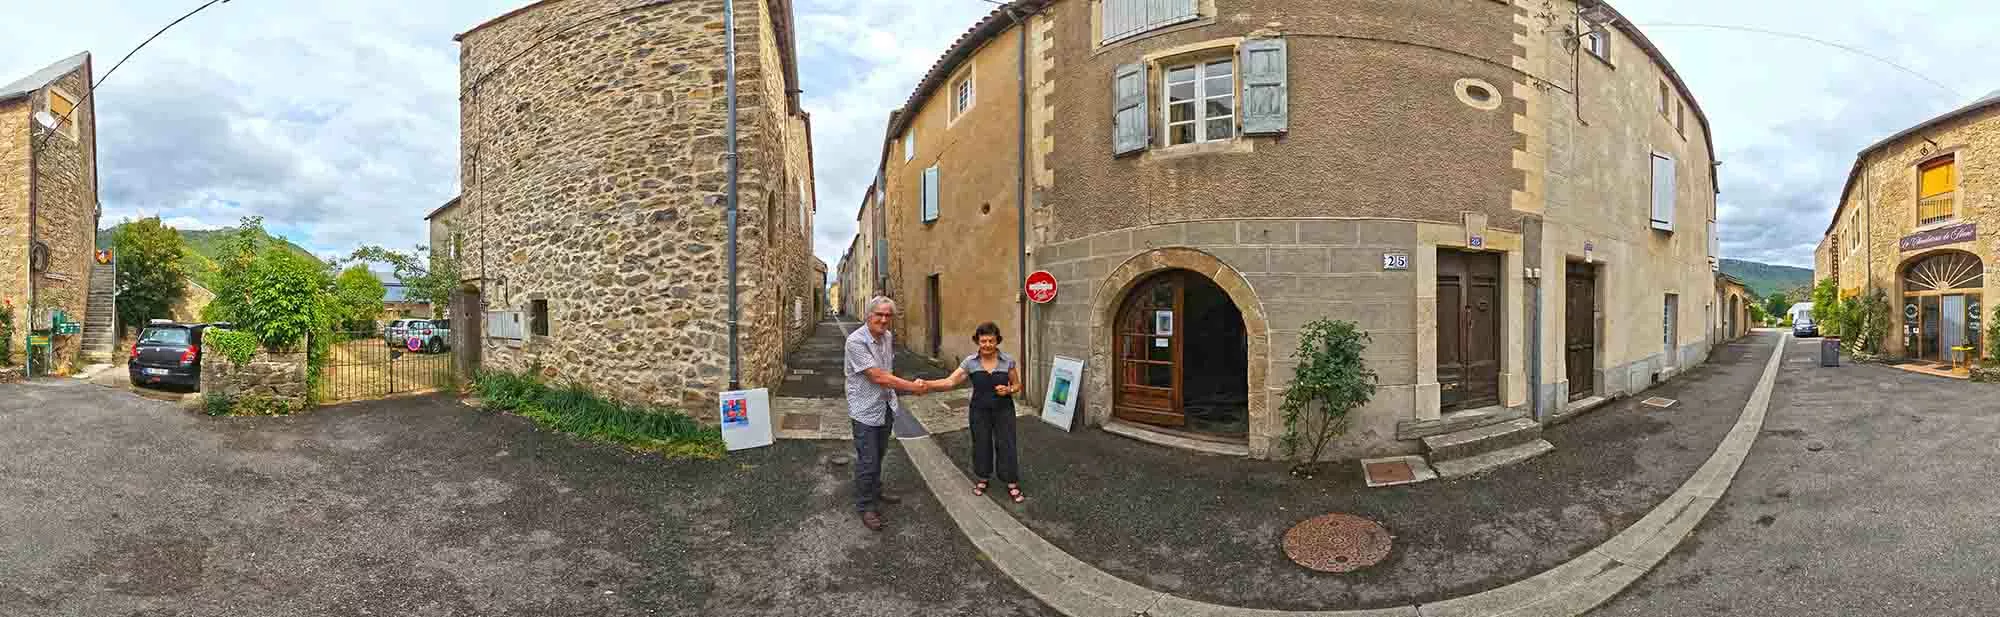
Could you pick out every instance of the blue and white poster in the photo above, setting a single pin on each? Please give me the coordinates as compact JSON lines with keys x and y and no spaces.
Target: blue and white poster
{"x":746,"y":418}
{"x":1065,"y":384}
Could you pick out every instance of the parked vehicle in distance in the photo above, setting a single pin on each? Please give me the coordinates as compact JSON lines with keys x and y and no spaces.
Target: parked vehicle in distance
{"x":168,"y":353}
{"x":433,"y":335}
{"x":1802,"y":323}
{"x":397,"y":333}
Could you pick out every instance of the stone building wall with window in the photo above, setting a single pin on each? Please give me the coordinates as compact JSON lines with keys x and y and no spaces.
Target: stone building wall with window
{"x":593,"y":189}
{"x":63,"y":199}
{"x":1914,"y":221}
{"x":1373,"y":162}
{"x":949,"y":197}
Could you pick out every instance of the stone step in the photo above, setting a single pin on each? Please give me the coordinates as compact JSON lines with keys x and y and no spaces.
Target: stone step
{"x":1475,"y":465}
{"x":1481,"y":440}
{"x":1457,"y":421}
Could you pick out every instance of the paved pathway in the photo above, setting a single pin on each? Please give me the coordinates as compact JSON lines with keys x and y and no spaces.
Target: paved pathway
{"x":1871,"y":492}
{"x":1078,"y":589}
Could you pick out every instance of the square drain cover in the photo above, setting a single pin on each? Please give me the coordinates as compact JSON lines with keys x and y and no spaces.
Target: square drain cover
{"x":801,"y":422}
{"x":1394,"y":470}
{"x":1661,"y":403}
{"x":1386,"y":473}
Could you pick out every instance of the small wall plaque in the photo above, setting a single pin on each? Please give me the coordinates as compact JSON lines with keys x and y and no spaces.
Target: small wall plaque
{"x":1395,"y":261}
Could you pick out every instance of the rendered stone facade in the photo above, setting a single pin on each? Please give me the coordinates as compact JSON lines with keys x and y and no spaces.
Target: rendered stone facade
{"x":53,"y":174}
{"x":1863,"y":248}
{"x":1415,"y":128}
{"x":592,"y":145}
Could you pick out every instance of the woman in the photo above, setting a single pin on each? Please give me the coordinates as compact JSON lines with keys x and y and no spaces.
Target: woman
{"x":993,"y":375}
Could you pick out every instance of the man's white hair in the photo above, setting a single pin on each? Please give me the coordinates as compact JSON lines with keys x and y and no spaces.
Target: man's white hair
{"x":875,"y":303}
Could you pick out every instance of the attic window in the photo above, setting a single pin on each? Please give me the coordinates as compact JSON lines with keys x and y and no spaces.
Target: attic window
{"x":63,"y":109}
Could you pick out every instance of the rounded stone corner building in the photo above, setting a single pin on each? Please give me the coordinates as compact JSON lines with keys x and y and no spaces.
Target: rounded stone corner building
{"x":590,"y":226}
{"x":1515,"y":200}
{"x":1908,"y":225}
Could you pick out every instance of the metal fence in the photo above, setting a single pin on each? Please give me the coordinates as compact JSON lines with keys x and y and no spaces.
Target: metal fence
{"x":378,"y":363}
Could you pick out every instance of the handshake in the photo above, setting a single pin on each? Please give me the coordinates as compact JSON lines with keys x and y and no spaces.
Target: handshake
{"x":927,"y":386}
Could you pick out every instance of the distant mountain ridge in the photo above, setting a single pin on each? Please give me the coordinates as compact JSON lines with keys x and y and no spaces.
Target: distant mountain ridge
{"x":1765,"y":279}
{"x":204,"y":246}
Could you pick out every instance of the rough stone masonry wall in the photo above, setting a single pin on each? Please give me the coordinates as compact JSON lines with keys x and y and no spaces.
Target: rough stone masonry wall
{"x":280,"y":377}
{"x":593,"y":172}
{"x":14,"y":217}
{"x":66,"y":209}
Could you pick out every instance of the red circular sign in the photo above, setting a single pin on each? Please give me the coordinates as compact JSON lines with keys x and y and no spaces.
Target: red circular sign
{"x":1041,"y":287}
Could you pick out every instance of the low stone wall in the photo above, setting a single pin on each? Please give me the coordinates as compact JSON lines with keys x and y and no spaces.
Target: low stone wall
{"x":278,"y":377}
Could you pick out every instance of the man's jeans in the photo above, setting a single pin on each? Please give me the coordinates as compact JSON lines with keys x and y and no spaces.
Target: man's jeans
{"x":870,"y":442}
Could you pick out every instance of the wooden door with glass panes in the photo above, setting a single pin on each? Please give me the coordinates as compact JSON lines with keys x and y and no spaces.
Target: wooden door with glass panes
{"x":1147,"y":340}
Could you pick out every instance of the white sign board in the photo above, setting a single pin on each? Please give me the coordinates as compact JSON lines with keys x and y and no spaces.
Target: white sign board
{"x":1065,"y":386}
{"x":746,"y":418}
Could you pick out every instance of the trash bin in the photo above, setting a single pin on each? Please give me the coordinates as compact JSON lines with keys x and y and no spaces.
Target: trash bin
{"x":1829,"y":351}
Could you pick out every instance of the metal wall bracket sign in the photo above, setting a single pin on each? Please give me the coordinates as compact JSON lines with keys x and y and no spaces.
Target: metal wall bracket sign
{"x":1939,"y":237}
{"x":1395,"y":260}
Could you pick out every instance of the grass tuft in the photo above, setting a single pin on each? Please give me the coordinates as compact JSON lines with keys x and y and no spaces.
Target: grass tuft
{"x":575,"y":410}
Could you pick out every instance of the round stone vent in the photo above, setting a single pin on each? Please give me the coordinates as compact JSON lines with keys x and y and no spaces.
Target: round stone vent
{"x":1477,"y":93}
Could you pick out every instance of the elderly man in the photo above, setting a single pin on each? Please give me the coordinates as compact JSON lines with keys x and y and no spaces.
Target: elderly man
{"x":871,"y":404}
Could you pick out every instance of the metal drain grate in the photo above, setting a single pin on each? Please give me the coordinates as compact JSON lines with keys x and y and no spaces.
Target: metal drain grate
{"x":1659,"y":402}
{"x":1337,"y":543}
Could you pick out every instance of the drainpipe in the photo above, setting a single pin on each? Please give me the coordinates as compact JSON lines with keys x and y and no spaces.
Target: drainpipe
{"x":729,"y":50}
{"x":1021,"y":185}
{"x":34,"y":197}
{"x":1532,"y":247}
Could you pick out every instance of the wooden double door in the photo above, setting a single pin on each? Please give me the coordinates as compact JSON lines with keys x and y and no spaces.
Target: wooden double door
{"x":1469,"y":318}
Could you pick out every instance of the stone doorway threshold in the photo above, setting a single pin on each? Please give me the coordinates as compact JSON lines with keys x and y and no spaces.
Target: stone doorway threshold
{"x":1206,"y":444}
{"x":1935,"y":370}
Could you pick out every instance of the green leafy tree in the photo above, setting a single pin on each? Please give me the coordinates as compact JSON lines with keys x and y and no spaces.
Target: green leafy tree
{"x":357,"y":296}
{"x":231,"y":279}
{"x":1778,"y":305}
{"x":151,"y":275}
{"x":1826,"y":308}
{"x":427,"y":276}
{"x":1331,"y":380}
{"x":1758,"y":315}
{"x":1867,"y":320}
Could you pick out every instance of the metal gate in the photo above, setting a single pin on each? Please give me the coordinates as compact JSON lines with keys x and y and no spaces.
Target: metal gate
{"x":388,"y":361}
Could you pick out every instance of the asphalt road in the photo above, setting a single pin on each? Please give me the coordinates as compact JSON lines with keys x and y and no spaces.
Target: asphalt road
{"x":112,"y":505}
{"x":1870,"y":492}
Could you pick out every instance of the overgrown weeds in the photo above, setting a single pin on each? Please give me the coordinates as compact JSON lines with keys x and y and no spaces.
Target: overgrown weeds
{"x":575,"y":410}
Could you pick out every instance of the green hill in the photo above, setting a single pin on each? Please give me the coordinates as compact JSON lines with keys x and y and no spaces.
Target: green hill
{"x":204,"y":245}
{"x":1766,"y":279}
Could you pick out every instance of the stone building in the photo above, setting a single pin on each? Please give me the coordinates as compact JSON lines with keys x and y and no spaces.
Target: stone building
{"x":861,"y":272}
{"x":48,"y":200}
{"x":1733,"y":300}
{"x":591,"y":223}
{"x":1908,"y":225}
{"x":1515,"y":200}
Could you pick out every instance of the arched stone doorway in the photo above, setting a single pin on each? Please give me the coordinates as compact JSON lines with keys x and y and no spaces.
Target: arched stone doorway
{"x":1109,"y":301}
{"x":1942,"y":306}
{"x":1180,"y":356}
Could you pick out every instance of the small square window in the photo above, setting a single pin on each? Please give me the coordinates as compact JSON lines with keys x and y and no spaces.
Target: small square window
{"x":538,"y":317}
{"x":1598,"y":43}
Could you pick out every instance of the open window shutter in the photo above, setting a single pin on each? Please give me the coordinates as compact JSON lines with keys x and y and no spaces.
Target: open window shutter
{"x":1130,"y":132}
{"x":930,"y":203}
{"x":1265,"y":107}
{"x":1663,"y":193}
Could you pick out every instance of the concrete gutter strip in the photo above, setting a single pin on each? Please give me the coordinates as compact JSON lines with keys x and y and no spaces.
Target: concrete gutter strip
{"x":1077,"y":589}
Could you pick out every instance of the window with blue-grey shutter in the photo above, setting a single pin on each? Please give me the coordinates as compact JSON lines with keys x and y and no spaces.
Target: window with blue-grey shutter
{"x":1663,"y":192}
{"x":930,"y":195}
{"x":1124,"y":18}
{"x":1266,"y":110}
{"x":1129,"y":130}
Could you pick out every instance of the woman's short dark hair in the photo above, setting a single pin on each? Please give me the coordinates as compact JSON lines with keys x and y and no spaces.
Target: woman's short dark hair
{"x":988,"y":329}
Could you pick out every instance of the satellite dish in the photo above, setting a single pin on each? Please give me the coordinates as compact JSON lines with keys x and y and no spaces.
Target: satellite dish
{"x":47,"y":120}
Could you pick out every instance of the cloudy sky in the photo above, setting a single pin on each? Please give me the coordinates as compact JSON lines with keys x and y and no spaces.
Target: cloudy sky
{"x":337,"y":121}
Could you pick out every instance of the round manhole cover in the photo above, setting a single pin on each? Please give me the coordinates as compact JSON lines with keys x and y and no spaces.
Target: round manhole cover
{"x":1337,"y":543}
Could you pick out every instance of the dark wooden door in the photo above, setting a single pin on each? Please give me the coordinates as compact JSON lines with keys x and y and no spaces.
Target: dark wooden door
{"x":1580,"y":331}
{"x":931,"y":322}
{"x":1469,"y":319}
{"x":1147,"y":338}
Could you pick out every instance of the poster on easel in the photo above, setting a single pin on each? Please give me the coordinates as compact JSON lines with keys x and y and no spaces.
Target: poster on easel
{"x":746,"y":418}
{"x":1065,"y":386}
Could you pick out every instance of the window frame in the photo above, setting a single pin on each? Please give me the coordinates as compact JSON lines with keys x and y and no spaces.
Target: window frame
{"x":539,"y":317}
{"x":66,"y":123}
{"x":1202,"y":97}
{"x":1666,"y":96}
{"x":1597,"y":42}
{"x":1948,"y":159}
{"x":964,"y":95}
{"x":910,"y":144}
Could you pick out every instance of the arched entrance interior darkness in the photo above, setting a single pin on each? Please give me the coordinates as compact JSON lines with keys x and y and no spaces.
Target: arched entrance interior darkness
{"x":1182,"y":356}
{"x":1941,"y":306}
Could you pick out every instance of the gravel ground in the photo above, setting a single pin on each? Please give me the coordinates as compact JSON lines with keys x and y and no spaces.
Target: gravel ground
{"x":1209,"y":528}
{"x":115,"y":505}
{"x":1869,"y":493}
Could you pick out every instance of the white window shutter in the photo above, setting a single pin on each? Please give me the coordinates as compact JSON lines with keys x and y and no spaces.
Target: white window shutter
{"x":1266,"y":110}
{"x":1714,"y":241}
{"x":1663,"y":192}
{"x":1130,"y":130}
{"x":930,"y":196}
